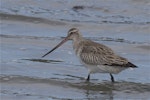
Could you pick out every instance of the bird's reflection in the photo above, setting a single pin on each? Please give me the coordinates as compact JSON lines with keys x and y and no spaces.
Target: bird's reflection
{"x":97,"y":91}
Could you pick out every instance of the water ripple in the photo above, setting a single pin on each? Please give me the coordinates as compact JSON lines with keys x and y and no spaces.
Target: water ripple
{"x":127,"y":87}
{"x":60,"y":38}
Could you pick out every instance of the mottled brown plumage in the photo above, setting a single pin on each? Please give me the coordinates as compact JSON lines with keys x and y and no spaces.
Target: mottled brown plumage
{"x":98,"y":58}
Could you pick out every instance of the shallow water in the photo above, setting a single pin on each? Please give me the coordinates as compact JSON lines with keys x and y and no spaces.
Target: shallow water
{"x":36,"y":88}
{"x":29,"y":29}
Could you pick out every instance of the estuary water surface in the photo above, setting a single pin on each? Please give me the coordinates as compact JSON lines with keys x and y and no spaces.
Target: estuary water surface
{"x":30,"y":28}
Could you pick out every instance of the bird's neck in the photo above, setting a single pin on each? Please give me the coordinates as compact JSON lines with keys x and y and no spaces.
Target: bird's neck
{"x":76,"y":42}
{"x":77,"y":37}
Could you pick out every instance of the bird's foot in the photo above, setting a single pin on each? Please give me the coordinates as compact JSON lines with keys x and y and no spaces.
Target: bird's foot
{"x":88,"y":78}
{"x":112,"y":78}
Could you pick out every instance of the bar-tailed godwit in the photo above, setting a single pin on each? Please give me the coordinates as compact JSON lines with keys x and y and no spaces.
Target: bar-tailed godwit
{"x":97,"y":58}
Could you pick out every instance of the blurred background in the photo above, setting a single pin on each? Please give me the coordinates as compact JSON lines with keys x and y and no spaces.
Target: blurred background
{"x":30,"y":28}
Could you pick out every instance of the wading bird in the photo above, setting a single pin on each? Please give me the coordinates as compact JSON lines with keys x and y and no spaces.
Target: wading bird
{"x":97,"y":58}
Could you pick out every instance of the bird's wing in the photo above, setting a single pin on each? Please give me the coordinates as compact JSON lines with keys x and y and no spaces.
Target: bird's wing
{"x":99,"y":54}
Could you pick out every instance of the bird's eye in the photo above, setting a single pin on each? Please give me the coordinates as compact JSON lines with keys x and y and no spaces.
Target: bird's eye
{"x":71,"y":33}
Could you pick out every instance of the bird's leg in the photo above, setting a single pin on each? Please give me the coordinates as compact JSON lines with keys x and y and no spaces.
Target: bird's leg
{"x":88,"y":78}
{"x":112,"y":78}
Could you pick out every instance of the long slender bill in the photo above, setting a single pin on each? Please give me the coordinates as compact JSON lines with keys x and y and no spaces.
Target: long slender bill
{"x":63,"y":41}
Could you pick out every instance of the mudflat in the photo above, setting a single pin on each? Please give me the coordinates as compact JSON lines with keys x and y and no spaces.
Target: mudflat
{"x":29,"y":29}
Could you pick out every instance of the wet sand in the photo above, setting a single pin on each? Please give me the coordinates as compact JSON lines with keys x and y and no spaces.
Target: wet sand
{"x":25,"y":37}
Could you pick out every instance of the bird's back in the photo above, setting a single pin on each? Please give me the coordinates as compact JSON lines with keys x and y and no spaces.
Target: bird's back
{"x":93,"y":53}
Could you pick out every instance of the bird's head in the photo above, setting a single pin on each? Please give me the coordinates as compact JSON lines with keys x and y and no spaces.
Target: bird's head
{"x":73,"y":34}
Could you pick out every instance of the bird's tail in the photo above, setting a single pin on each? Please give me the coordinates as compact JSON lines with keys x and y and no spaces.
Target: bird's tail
{"x":131,"y":65}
